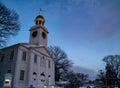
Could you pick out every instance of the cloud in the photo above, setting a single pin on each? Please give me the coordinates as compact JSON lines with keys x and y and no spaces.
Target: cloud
{"x":84,"y":70}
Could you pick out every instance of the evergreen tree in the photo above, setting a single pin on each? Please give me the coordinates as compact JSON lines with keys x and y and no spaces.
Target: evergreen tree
{"x":111,"y":77}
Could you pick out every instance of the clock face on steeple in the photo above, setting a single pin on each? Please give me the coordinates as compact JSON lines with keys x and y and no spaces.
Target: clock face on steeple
{"x":34,"y":34}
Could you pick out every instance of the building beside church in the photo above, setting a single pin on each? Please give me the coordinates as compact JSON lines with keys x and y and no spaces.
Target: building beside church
{"x":28,"y":64}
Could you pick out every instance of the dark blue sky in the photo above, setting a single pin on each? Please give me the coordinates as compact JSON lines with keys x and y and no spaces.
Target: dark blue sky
{"x":87,"y":30}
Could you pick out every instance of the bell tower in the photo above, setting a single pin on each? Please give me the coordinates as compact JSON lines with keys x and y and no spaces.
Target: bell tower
{"x":38,"y":33}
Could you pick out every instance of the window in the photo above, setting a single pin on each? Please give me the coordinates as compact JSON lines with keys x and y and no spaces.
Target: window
{"x":43,"y":35}
{"x":49,"y":64}
{"x":11,"y":55}
{"x":9,"y":71}
{"x":42,"y":74}
{"x":2,"y":58}
{"x":24,"y":56}
{"x":49,"y":76}
{"x":22,"y":73}
{"x":34,"y":73}
{"x":43,"y":62}
{"x":36,"y":22}
{"x":35,"y":58}
{"x":40,"y":22}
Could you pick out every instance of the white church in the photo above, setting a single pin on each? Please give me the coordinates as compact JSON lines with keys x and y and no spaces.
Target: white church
{"x":26,"y":65}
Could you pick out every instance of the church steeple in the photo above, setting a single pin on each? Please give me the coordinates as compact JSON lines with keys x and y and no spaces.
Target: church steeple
{"x":38,"y":33}
{"x":39,"y":20}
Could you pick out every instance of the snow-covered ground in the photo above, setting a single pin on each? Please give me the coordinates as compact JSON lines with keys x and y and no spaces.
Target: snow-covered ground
{"x":86,"y":87}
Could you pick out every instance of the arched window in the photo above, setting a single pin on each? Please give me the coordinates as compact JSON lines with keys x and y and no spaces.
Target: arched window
{"x":36,"y":22}
{"x":40,"y":22}
{"x":34,"y":73}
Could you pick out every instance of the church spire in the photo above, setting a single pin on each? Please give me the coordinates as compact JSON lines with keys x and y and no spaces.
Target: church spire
{"x":40,"y":12}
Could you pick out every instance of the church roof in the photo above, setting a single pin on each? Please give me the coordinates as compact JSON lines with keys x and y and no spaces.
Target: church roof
{"x":32,"y":46}
{"x":39,"y":16}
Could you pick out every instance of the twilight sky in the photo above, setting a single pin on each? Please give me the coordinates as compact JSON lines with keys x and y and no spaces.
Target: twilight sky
{"x":87,"y":30}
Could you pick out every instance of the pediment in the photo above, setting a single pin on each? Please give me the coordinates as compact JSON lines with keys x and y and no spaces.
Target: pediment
{"x":40,"y":49}
{"x":43,"y":51}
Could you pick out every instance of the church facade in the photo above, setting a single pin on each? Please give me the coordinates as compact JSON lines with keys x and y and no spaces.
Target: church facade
{"x":28,"y":64}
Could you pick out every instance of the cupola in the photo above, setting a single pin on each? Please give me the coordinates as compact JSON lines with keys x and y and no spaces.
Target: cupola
{"x":39,"y":20}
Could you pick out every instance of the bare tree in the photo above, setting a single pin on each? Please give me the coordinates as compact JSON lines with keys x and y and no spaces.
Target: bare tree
{"x":75,"y":80}
{"x":9,"y":24}
{"x":62,"y":63}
